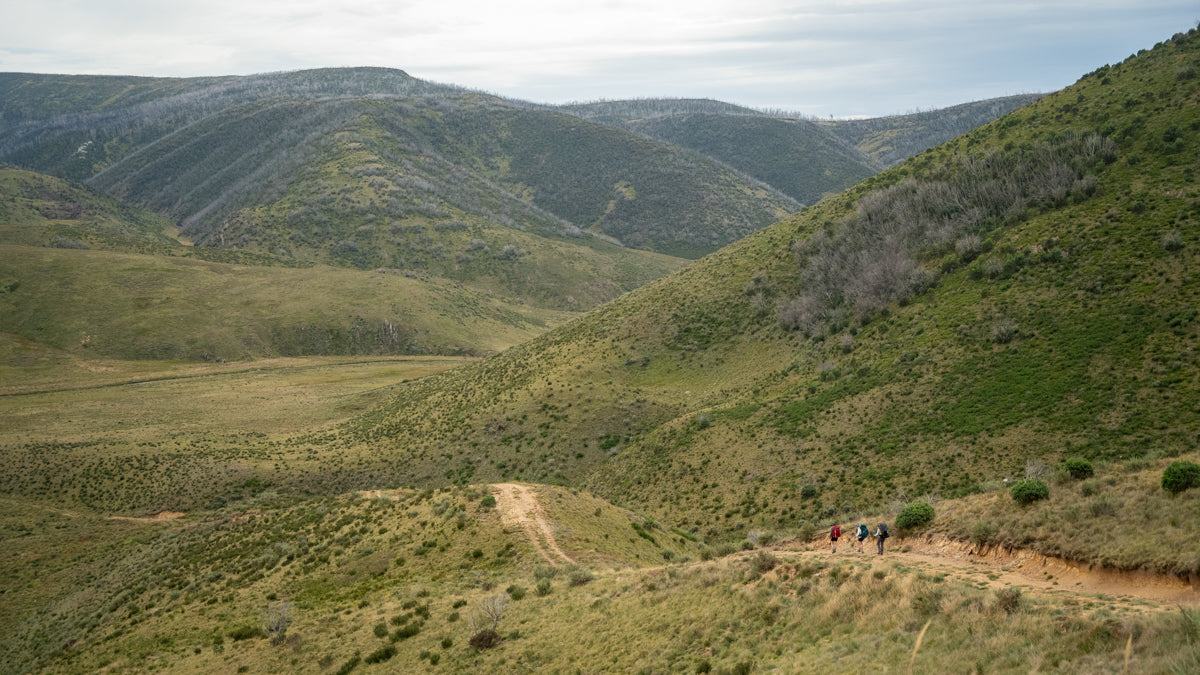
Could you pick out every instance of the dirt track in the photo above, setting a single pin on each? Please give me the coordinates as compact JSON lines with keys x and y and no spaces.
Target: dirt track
{"x":519,"y":506}
{"x":997,"y":568}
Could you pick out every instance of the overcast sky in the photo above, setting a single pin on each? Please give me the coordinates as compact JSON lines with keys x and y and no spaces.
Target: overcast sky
{"x":819,"y":57}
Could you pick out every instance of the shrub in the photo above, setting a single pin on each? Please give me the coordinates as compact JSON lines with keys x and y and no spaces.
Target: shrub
{"x":1078,"y":467}
{"x":484,"y":639}
{"x":1029,"y":491}
{"x":580,"y":576}
{"x":349,"y":665}
{"x":1180,"y":476}
{"x":1172,"y":241}
{"x":488,"y":502}
{"x":1003,"y":331}
{"x":982,"y":533}
{"x":516,"y":592}
{"x":761,"y":563}
{"x":928,"y":601}
{"x":543,"y":588}
{"x":914,"y":515}
{"x":405,"y":632}
{"x":381,"y":630}
{"x":380,"y":655}
{"x":1009,"y":599}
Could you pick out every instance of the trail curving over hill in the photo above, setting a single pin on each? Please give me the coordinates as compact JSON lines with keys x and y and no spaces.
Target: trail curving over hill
{"x":519,"y":506}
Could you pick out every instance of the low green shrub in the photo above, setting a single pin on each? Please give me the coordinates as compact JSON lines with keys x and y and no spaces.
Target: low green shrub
{"x":488,"y":502}
{"x":914,"y":515}
{"x":1078,"y":468}
{"x":380,"y":655}
{"x":1181,"y":476}
{"x":580,"y":576}
{"x":1028,"y":491}
{"x":245,"y":633}
{"x":543,"y":588}
{"x":516,"y":592}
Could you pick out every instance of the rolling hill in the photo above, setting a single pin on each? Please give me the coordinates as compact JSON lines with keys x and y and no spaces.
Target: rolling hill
{"x":975,"y":314}
{"x":86,"y":274}
{"x":806,"y":159}
{"x":202,"y":151}
{"x":642,"y":488}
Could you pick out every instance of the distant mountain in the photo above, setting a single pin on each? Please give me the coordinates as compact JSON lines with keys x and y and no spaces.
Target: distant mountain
{"x":893,"y":139}
{"x":805,"y":159}
{"x":202,"y":150}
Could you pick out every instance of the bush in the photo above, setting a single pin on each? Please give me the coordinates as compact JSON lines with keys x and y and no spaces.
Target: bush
{"x":1180,"y":476}
{"x":485,"y":639}
{"x":982,"y":533}
{"x":380,"y":655}
{"x":245,"y":633}
{"x":381,"y":630}
{"x":516,"y":592}
{"x":1029,"y":491}
{"x":761,"y":563}
{"x":914,"y":515}
{"x":1078,"y":467}
{"x":580,"y":576}
{"x":928,"y":601}
{"x":487,"y":502}
{"x":1009,"y":599}
{"x":543,"y":588}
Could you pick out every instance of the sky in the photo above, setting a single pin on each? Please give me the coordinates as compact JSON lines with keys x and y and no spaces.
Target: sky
{"x":841,"y":58}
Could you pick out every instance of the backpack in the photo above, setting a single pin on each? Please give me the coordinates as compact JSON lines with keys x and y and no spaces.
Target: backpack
{"x":883,"y":530}
{"x":863,"y":532}
{"x":835,"y":532}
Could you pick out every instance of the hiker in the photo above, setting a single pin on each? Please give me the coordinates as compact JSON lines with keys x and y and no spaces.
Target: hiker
{"x":862,"y":533}
{"x":881,"y":533}
{"x":835,"y":532}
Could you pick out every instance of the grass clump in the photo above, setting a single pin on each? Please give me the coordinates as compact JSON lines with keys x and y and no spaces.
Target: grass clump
{"x":1028,"y":491}
{"x":914,"y":515}
{"x":1180,"y":476}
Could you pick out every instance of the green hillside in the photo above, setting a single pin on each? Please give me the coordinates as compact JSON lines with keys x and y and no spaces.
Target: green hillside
{"x":85,"y":273}
{"x":796,"y":156}
{"x":201,"y":151}
{"x":642,"y":488}
{"x":991,"y":306}
{"x":893,"y":139}
{"x":805,"y":159}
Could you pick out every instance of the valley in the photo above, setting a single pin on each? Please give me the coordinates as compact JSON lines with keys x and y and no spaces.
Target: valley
{"x":458,"y":383}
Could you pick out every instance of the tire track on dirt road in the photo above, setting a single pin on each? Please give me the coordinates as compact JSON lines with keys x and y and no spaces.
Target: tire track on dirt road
{"x":519,"y":506}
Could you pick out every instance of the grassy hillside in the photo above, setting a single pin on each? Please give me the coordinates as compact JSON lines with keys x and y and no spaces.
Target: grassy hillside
{"x":805,"y":159}
{"x":407,"y":580}
{"x":1032,"y":303}
{"x":200,"y":151}
{"x":796,"y":156}
{"x":154,"y":307}
{"x":893,"y":139}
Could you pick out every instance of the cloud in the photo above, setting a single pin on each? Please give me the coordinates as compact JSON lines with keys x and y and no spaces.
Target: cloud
{"x":836,"y":56}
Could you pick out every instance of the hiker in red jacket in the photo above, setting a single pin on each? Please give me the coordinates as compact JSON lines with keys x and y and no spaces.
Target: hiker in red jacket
{"x":834,"y":533}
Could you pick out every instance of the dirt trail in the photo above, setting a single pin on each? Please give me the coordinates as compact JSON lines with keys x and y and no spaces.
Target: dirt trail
{"x":519,"y":506}
{"x":999,"y":568}
{"x":994,"y":567}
